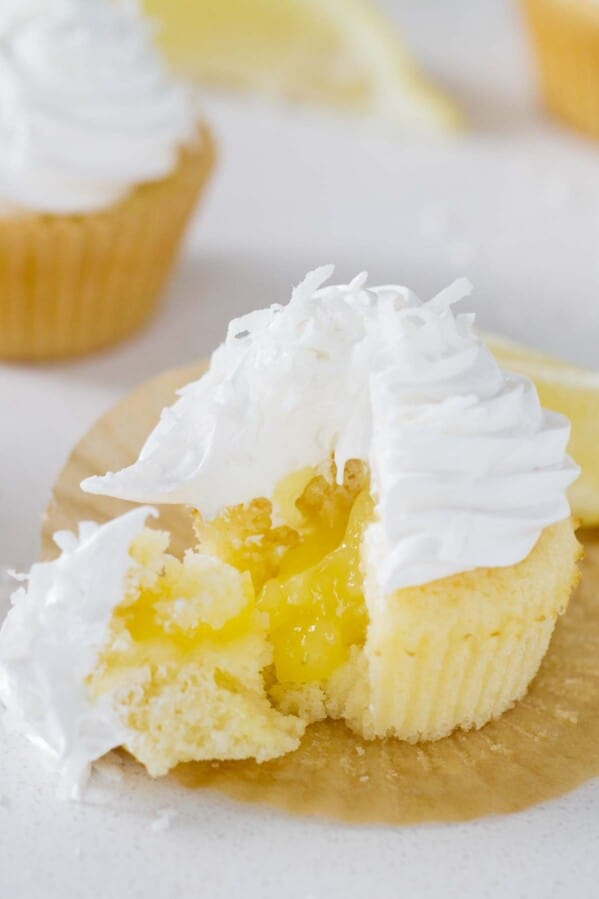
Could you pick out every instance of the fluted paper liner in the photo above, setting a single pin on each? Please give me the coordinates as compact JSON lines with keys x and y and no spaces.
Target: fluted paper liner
{"x":566,"y":38}
{"x":544,"y":747}
{"x":73,"y":283}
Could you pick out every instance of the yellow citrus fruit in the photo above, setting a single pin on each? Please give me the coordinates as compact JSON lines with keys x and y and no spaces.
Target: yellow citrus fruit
{"x":574,"y":392}
{"x":340,"y":53}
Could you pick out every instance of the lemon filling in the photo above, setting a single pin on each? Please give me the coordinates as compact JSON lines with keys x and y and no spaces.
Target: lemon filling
{"x":233,"y":650}
{"x":307,"y":580}
{"x":204,"y":651}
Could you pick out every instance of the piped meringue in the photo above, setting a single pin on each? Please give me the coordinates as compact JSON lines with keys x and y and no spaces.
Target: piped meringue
{"x":466,"y":467}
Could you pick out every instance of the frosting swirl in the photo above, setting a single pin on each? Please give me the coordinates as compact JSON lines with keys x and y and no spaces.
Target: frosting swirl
{"x":466,"y":467}
{"x":88,"y":108}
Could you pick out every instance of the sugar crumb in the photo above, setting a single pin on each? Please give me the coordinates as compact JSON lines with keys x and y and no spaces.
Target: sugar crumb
{"x":565,"y":715}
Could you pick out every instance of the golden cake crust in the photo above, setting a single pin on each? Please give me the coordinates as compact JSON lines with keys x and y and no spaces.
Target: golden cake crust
{"x":457,"y":652}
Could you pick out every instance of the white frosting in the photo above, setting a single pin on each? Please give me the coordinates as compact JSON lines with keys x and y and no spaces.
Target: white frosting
{"x":88,"y":108}
{"x":467,"y":468}
{"x":50,"y":641}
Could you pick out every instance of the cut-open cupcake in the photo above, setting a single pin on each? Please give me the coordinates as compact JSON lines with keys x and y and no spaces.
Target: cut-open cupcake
{"x":382,"y":536}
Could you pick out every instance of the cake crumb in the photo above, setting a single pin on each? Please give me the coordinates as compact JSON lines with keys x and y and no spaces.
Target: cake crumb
{"x":360,"y":750}
{"x":565,"y":715}
{"x":364,"y":778}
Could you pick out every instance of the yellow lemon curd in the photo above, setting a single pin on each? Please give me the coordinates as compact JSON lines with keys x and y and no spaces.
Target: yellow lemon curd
{"x":257,"y":611}
{"x":307,"y":581}
{"x":275,"y":620}
{"x":306,"y":577}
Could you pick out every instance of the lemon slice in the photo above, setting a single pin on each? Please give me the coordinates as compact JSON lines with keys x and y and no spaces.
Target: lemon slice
{"x":340,"y":53}
{"x":575,"y":392}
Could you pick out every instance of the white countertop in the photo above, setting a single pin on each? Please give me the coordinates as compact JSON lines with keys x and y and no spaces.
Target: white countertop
{"x":515,"y":205}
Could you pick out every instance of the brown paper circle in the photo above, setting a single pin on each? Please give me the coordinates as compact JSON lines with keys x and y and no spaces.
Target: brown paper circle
{"x":544,"y":747}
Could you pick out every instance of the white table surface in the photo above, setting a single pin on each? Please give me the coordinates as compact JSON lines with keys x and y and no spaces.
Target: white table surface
{"x":515,"y":205}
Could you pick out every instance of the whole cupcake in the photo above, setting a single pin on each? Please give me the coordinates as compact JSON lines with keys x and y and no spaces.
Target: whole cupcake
{"x":423,"y":546}
{"x":566,"y":36}
{"x":102,"y":159}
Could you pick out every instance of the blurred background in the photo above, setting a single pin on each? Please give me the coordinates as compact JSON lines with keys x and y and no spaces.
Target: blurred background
{"x":423,"y":149}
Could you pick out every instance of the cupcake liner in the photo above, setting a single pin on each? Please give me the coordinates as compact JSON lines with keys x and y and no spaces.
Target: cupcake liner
{"x":566,"y":38}
{"x":458,"y":682}
{"x":460,"y":651}
{"x":71,"y":284}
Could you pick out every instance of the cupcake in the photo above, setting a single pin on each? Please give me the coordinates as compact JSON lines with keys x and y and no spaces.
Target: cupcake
{"x":101,"y":164}
{"x":383,"y":537}
{"x":566,"y":38}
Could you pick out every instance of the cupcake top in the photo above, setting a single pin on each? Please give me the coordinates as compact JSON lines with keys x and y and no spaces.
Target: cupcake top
{"x":88,"y":108}
{"x":466,"y":467}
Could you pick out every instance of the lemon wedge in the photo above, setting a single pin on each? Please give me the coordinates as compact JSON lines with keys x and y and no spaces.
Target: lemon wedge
{"x":339,"y":53}
{"x":575,"y":392}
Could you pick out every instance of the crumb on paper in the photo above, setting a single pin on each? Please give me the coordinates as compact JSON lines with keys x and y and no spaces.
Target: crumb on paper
{"x":423,"y":759}
{"x":163,"y":820}
{"x":364,"y":778}
{"x":498,"y":747}
{"x":565,"y":715}
{"x":347,"y":765}
{"x":360,"y":750}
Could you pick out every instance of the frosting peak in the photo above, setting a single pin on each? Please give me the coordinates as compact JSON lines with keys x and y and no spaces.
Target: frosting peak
{"x":466,"y":467}
{"x":87,"y":106}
